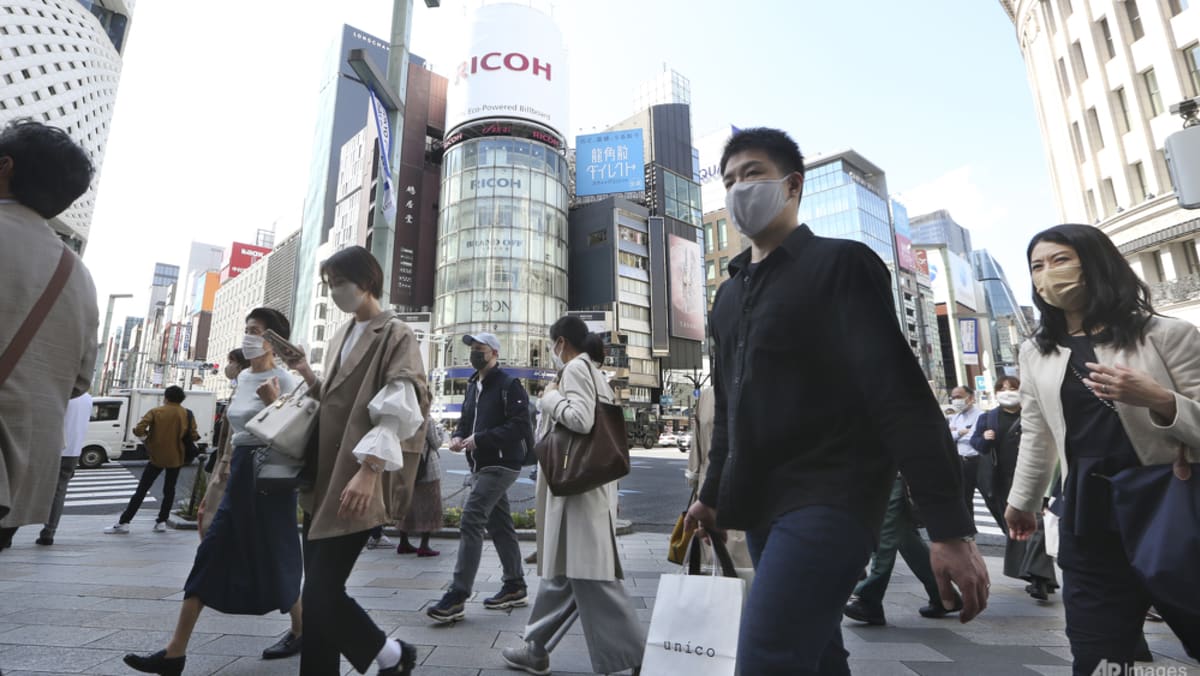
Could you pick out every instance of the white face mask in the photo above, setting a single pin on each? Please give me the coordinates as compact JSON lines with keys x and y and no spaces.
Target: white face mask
{"x":347,"y":296}
{"x":253,"y":346}
{"x":1008,"y":398}
{"x":959,"y":405}
{"x":753,"y":205}
{"x":557,"y":357}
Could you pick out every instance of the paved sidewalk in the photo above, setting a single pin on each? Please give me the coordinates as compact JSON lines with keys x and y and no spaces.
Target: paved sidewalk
{"x":79,"y":606}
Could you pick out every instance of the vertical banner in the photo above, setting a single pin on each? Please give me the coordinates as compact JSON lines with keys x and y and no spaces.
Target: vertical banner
{"x":968,"y":340}
{"x":687,"y":288}
{"x":660,"y":341}
{"x":385,"y":152}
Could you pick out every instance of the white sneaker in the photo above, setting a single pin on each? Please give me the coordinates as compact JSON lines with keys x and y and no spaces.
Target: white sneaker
{"x":160,"y":526}
{"x":117,"y":529}
{"x":380,"y":542}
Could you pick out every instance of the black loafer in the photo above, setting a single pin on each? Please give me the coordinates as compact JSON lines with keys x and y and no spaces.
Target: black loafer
{"x":285,"y":647}
{"x":408,"y":660}
{"x":156,"y":663}
{"x":935,"y":609}
{"x":860,"y":611}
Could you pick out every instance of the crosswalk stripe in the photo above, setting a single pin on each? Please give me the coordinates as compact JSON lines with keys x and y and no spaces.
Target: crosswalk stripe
{"x":106,"y":501}
{"x":97,"y":487}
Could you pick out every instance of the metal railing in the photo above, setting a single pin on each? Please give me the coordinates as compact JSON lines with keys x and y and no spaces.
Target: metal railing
{"x":1178,"y":290}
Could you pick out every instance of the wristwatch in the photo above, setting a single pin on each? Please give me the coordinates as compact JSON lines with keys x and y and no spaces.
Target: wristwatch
{"x":967,"y":538}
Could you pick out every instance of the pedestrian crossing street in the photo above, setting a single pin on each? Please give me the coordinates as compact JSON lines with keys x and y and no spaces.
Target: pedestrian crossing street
{"x":984,"y":523}
{"x":109,"y":485}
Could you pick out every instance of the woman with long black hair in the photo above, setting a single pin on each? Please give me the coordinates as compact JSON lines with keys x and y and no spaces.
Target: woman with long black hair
{"x":1107,"y":385}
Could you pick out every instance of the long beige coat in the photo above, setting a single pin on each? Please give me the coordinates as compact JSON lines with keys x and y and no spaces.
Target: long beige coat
{"x":57,"y":366}
{"x":344,"y":420}
{"x":1170,"y":355}
{"x":706,"y":410}
{"x":577,"y":538}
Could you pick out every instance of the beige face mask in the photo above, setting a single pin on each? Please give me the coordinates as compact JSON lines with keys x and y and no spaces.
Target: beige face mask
{"x":1062,"y":287}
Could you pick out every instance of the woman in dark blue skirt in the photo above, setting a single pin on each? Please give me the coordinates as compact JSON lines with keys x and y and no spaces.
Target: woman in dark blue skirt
{"x":249,"y":562}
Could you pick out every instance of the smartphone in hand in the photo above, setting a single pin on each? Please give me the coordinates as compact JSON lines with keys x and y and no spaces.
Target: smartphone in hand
{"x":285,"y":350}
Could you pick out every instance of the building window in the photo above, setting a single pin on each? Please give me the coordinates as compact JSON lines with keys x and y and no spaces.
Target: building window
{"x":635,"y":312}
{"x":1077,"y":142}
{"x":1122,"y":109}
{"x":1153,"y":95}
{"x":635,"y":286}
{"x":1190,"y":255}
{"x":633,"y":260}
{"x":631,"y":235}
{"x":1109,"y":195}
{"x":1081,"y":72}
{"x":1049,"y":16}
{"x":1177,"y":6}
{"x":1135,"y":19}
{"x":724,"y":266}
{"x":1106,"y":37}
{"x":1066,"y":8}
{"x":317,"y":356}
{"x":1191,"y":56}
{"x":711,"y":267}
{"x":722,"y":234}
{"x":318,"y":333}
{"x":597,"y":237}
{"x":1137,"y":184}
{"x":1064,"y":82}
{"x":1091,"y":206}
{"x":708,"y":237}
{"x":1158,"y":266}
{"x":1095,"y":138}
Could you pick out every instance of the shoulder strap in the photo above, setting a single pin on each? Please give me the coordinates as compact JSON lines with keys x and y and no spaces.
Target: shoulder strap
{"x":33,"y":322}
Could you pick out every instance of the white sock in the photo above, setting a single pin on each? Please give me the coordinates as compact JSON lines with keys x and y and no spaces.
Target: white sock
{"x":389,"y":656}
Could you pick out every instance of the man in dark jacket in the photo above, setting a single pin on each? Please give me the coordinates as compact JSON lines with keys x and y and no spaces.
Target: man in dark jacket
{"x":819,"y":400}
{"x":493,"y":432}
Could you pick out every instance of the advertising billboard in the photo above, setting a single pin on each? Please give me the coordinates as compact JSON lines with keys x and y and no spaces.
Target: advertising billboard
{"x":610,"y":162}
{"x":904,"y":253}
{"x":515,"y":67}
{"x":419,"y":322}
{"x":687,"y":287}
{"x":242,"y":256}
{"x":959,"y":275}
{"x":968,"y":340}
{"x":204,"y":291}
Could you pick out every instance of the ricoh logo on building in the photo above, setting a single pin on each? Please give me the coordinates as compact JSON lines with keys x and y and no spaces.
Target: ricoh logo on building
{"x":513,"y":61}
{"x":252,"y":253}
{"x":477,"y":183}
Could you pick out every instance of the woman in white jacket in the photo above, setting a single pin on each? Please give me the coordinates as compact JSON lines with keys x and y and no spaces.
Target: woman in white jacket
{"x":578,"y":558}
{"x":1106,"y":385}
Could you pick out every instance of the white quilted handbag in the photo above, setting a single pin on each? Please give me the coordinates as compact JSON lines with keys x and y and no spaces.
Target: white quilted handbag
{"x":287,"y":423}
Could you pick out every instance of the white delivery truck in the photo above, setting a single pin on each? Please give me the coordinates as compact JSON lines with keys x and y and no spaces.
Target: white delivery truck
{"x":110,"y":431}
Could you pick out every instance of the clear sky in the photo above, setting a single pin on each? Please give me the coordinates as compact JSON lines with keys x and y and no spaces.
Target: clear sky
{"x":212,"y":131}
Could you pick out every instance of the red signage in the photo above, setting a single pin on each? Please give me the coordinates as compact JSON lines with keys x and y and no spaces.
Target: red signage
{"x":241,"y":256}
{"x":922,"y":259}
{"x":515,"y":61}
{"x":904,"y":253}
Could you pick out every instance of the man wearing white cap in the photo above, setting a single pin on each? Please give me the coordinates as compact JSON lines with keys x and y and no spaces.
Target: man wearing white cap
{"x":494,"y":432}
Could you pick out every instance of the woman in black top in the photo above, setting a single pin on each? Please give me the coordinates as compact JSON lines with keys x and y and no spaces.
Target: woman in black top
{"x":1108,"y":385}
{"x":998,"y":438}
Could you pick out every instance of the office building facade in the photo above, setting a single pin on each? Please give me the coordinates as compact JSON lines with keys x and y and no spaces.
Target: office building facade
{"x":1104,"y":75}
{"x":1005,"y":318}
{"x":939,"y":227}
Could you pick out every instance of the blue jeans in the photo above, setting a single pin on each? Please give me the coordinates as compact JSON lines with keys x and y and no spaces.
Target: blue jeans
{"x":806,"y":564}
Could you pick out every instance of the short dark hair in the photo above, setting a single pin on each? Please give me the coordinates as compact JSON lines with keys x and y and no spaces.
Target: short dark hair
{"x":573,"y":330}
{"x":238,"y":357}
{"x":1008,"y":380}
{"x":1117,"y":300}
{"x":778,"y":146}
{"x":967,"y":388}
{"x":175,"y":394}
{"x":50,"y":170}
{"x":357,"y":265}
{"x":272,"y":319}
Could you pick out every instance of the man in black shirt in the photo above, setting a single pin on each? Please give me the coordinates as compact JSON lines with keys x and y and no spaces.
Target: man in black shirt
{"x":819,"y":401}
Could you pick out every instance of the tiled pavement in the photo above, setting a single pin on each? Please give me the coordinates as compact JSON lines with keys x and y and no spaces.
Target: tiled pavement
{"x":78,"y":606}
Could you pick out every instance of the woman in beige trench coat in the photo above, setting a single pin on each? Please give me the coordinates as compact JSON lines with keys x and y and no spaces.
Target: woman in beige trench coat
{"x":577,"y":555}
{"x":373,"y":405}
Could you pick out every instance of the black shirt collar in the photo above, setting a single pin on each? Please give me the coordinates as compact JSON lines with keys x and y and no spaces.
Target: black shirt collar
{"x":792,"y":245}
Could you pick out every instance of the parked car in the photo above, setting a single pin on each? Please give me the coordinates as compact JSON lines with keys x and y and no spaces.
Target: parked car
{"x":667,"y":439}
{"x":110,"y":430}
{"x":684,"y":441}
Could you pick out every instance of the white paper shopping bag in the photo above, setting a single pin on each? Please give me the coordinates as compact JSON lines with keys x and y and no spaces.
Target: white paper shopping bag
{"x":694,"y":626}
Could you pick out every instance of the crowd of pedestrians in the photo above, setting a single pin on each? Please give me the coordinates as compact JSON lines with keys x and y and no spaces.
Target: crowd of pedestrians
{"x":814,"y":497}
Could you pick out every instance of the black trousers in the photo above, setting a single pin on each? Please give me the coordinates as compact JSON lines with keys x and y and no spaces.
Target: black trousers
{"x":334,"y":624}
{"x":149,"y":474}
{"x":1106,"y":604}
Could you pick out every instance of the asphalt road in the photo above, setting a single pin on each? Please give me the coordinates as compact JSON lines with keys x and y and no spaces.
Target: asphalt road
{"x":652,"y":496}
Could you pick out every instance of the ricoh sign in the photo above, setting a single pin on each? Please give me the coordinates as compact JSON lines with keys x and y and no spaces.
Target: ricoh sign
{"x":515,"y":67}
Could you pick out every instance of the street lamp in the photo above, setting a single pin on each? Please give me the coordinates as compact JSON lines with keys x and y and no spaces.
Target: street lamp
{"x":390,"y":92}
{"x":102,"y":352}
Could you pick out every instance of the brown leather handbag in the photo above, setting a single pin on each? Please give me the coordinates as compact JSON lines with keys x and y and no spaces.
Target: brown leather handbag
{"x":576,"y":463}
